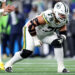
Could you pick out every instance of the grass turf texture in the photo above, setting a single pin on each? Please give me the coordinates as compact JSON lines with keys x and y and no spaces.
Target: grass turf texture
{"x":39,"y":66}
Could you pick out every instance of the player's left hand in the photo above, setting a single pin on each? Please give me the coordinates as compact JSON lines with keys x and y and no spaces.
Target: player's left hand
{"x":63,"y":37}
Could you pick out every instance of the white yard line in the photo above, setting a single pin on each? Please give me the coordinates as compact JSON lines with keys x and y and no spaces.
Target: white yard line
{"x":43,"y":63}
{"x":36,"y":63}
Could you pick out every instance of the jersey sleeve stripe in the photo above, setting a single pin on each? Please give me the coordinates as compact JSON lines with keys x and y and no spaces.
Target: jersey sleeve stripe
{"x":45,"y":19}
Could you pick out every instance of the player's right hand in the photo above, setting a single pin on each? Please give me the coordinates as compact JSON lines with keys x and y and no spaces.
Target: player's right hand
{"x":37,"y":42}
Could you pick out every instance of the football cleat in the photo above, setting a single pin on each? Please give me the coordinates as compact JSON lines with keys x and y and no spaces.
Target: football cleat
{"x":8,"y":69}
{"x":2,"y":66}
{"x":65,"y":71}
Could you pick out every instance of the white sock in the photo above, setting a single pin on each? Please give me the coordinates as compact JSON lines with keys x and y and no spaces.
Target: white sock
{"x":14,"y":59}
{"x":60,"y":58}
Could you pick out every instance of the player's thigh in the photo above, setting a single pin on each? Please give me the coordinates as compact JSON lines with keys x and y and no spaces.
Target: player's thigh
{"x":49,"y":39}
{"x":28,"y":42}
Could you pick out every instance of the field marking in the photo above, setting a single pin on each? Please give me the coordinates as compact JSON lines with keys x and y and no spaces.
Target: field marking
{"x":35,"y":73}
{"x":37,"y":63}
{"x":43,"y":64}
{"x":38,"y":67}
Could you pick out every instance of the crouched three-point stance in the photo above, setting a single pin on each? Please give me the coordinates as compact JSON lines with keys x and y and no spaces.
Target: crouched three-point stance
{"x":43,"y":29}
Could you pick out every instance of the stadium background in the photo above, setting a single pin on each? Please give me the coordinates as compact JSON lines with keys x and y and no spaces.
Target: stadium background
{"x":11,"y":31}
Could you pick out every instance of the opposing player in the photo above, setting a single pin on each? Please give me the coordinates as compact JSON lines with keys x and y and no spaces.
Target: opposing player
{"x":43,"y":29}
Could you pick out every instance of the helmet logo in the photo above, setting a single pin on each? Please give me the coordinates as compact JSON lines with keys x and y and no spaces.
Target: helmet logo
{"x":58,"y":6}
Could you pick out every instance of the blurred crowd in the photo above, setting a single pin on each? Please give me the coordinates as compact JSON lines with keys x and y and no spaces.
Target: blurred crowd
{"x":12,"y":24}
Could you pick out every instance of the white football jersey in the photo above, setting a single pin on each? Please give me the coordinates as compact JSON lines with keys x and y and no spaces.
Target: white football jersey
{"x":50,"y":27}
{"x":3,"y":0}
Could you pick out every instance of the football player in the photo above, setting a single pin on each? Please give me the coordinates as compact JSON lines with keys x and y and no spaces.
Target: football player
{"x":44,"y":29}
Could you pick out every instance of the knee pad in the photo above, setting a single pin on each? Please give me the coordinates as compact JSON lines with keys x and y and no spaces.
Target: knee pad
{"x":57,"y":43}
{"x":25,"y":53}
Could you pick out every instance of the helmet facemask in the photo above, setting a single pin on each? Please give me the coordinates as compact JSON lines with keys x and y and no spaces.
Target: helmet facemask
{"x":60,"y":17}
{"x":61,"y":11}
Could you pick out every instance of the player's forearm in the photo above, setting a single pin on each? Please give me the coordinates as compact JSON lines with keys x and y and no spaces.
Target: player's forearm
{"x":64,"y":28}
{"x":31,"y":28}
{"x":35,"y":22}
{"x":63,"y":32}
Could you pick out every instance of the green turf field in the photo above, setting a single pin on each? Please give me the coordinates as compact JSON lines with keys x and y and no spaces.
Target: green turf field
{"x":40,"y":66}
